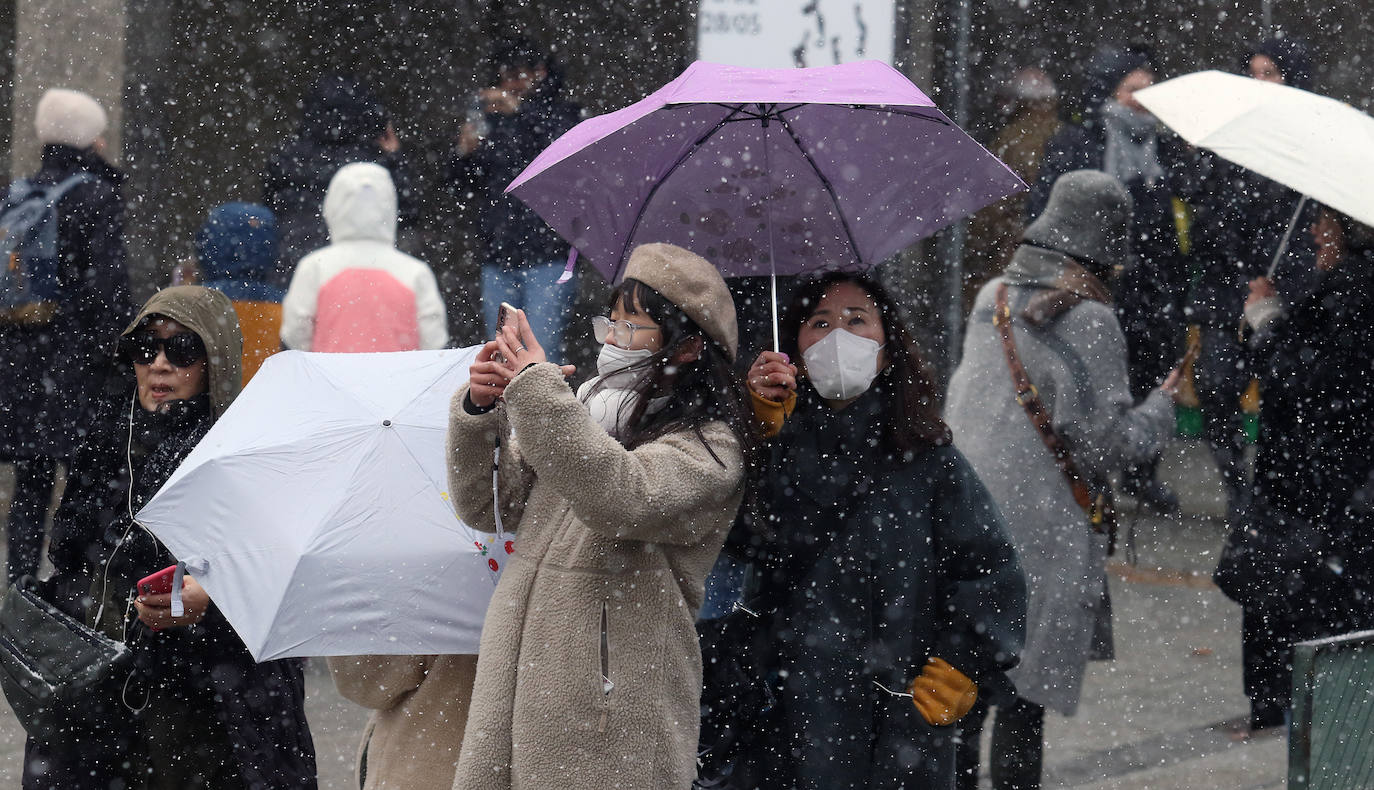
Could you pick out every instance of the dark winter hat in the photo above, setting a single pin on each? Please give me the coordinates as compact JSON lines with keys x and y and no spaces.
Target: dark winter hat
{"x":1088,"y":217}
{"x":517,"y":51}
{"x":237,"y":241}
{"x":1108,"y":66}
{"x":691,"y":283}
{"x":1290,"y":55}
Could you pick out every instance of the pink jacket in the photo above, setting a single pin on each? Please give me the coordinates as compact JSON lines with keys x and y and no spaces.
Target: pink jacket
{"x":360,"y":293}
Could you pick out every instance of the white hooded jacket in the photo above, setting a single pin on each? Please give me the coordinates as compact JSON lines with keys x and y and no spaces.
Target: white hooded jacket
{"x":360,"y":293}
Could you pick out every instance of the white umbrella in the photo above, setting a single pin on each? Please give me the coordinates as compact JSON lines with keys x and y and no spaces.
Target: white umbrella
{"x":1315,"y":145}
{"x":315,"y":512}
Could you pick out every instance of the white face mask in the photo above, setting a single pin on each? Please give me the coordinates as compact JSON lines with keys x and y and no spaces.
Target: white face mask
{"x":613,"y":401}
{"x":613,"y":359}
{"x":842,"y":365}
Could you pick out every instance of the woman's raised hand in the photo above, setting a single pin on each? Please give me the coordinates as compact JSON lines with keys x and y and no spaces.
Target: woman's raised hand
{"x":517,"y":343}
{"x":487,"y":378}
{"x":772,"y":376}
{"x":501,"y":360}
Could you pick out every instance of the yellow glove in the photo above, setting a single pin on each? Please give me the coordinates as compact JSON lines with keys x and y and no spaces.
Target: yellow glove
{"x":942,"y":693}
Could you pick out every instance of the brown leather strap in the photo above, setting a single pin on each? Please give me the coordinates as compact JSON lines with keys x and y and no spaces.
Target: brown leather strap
{"x":1029,"y":398}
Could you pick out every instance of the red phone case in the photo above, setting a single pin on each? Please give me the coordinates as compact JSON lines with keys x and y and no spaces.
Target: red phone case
{"x":159,"y":583}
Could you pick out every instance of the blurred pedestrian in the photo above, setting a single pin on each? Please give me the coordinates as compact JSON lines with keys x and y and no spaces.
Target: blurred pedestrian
{"x":1118,"y":136}
{"x":1071,"y":350}
{"x":892,"y":598}
{"x":341,"y":122}
{"x":994,"y":232}
{"x":236,"y":254}
{"x":1312,"y":570}
{"x":509,"y":124}
{"x":53,"y":345}
{"x":360,"y":293}
{"x":419,"y":708}
{"x":589,"y":673}
{"x":198,"y":712}
{"x":1239,"y":220}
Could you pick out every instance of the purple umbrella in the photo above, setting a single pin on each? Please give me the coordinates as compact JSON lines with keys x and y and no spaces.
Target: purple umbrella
{"x":765,"y":171}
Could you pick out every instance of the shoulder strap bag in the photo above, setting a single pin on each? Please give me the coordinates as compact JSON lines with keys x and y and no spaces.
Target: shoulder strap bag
{"x":1097,"y":505}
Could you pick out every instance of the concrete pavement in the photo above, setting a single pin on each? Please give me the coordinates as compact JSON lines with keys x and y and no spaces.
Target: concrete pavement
{"x":1149,"y":719}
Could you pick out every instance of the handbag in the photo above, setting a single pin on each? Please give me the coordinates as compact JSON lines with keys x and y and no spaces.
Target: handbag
{"x":57,"y":673}
{"x":1268,"y":559}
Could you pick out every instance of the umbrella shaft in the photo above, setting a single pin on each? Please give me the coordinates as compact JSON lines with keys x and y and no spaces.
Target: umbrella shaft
{"x":1287,"y":235}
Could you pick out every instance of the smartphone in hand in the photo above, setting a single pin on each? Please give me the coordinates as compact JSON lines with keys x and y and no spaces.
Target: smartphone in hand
{"x":159,"y":583}
{"x":503,"y":314}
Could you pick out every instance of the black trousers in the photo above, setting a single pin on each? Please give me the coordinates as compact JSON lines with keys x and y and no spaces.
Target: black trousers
{"x":1018,"y":746}
{"x":33,"y":484}
{"x":1221,"y":378}
{"x":1267,"y":639}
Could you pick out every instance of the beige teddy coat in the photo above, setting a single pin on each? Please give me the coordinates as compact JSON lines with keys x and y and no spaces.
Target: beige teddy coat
{"x":589,"y":671}
{"x":420,"y":705}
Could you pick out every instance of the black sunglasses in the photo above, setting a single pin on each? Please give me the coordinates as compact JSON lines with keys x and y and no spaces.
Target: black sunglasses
{"x":183,"y":349}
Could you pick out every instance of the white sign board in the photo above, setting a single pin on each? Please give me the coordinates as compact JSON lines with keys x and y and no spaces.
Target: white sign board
{"x":795,"y":33}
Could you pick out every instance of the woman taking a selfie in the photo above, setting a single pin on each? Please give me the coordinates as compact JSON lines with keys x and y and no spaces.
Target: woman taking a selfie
{"x":894,"y":599}
{"x":198,"y":711}
{"x":589,"y":672}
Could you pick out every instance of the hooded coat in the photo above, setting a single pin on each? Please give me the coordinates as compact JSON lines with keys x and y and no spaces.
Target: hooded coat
{"x":54,"y":371}
{"x":236,"y":250}
{"x":589,"y":673}
{"x":340,"y":123}
{"x":361,"y":293}
{"x":203,"y":684}
{"x":874,"y":563}
{"x":1077,"y":360}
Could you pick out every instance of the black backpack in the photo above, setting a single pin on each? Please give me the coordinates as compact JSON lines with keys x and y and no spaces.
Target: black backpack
{"x":30,"y":286}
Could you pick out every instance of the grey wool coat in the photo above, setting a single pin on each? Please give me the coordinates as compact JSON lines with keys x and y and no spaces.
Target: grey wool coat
{"x":1077,"y":361}
{"x":589,"y":670}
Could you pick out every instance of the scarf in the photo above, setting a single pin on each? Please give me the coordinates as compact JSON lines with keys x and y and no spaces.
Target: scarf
{"x":1132,"y":145}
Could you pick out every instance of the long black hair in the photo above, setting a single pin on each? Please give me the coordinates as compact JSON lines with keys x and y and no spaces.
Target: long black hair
{"x":912,"y":400}
{"x":704,"y":390}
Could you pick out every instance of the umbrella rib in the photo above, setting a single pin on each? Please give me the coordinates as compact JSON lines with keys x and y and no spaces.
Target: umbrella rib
{"x":748,"y":115}
{"x":653,"y":190}
{"x":895,"y":111}
{"x":829,"y":188}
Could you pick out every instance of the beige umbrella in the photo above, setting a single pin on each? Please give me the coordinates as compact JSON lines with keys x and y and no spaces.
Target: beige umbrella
{"x":1319,"y":147}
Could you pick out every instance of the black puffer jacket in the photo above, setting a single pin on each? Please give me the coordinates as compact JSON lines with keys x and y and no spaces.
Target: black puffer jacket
{"x":54,"y":371}
{"x":872,"y":564}
{"x":513,"y":235}
{"x":341,"y":124}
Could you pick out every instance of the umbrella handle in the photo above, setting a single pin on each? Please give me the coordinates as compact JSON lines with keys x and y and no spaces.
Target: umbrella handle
{"x":774,"y":278}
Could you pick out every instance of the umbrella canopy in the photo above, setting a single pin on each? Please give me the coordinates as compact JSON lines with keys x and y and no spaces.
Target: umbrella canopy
{"x":315,"y":511}
{"x":1313,"y":144}
{"x":764,"y":171}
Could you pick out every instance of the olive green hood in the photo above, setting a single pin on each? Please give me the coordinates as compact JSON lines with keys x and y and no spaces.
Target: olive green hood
{"x":210,"y":315}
